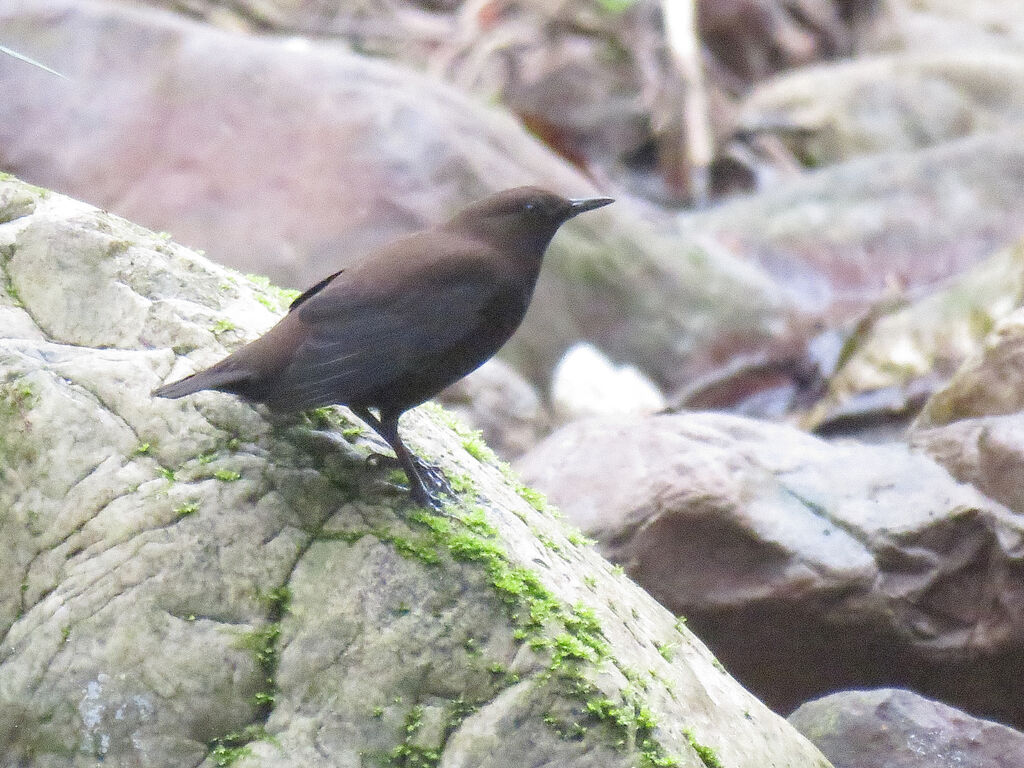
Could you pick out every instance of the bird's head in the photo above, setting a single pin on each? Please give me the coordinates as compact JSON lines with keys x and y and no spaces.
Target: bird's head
{"x":522,"y":218}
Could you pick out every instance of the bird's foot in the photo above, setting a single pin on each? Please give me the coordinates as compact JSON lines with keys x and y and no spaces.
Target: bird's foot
{"x":428,"y":489}
{"x":433,"y":477}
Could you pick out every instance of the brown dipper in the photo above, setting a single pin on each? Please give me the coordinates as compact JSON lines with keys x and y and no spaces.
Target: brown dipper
{"x":394,"y":329}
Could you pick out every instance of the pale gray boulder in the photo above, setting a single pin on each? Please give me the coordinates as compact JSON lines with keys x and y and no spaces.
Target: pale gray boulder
{"x":192,"y":583}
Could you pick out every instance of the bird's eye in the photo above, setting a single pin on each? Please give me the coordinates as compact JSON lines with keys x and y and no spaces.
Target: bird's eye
{"x":530,"y":206}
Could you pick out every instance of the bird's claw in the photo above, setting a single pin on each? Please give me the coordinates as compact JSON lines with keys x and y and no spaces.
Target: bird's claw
{"x":434,"y":476}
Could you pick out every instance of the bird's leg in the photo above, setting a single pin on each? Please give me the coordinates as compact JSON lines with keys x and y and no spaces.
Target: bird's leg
{"x":387,"y":427}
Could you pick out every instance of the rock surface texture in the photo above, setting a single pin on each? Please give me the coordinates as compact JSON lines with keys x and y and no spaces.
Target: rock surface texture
{"x":890,"y":728}
{"x":806,"y":566}
{"x":188,"y":583}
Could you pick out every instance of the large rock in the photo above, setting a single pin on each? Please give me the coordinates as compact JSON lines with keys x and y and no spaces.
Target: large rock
{"x":839,"y":237}
{"x":290,"y":159}
{"x":834,"y":112}
{"x":189,"y":582}
{"x":891,"y":728}
{"x":931,"y":25}
{"x":806,"y":566}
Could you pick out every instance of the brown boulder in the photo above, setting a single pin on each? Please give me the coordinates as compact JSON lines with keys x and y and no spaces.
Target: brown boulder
{"x":806,"y":566}
{"x":891,"y":728}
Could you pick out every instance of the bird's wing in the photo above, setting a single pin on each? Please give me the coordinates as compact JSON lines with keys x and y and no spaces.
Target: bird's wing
{"x":309,"y":293}
{"x":361,"y":336}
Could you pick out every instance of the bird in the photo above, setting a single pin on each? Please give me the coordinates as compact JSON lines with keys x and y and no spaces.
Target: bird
{"x":394,"y":328}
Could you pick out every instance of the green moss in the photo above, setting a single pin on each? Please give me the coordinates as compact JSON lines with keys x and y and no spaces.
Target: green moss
{"x":667,"y":650}
{"x":232,"y":747}
{"x":571,"y":637}
{"x":576,"y":538}
{"x":415,"y":549}
{"x":276,"y":600}
{"x":17,"y":399}
{"x":534,"y":498}
{"x":410,"y":755}
{"x":185,"y":510}
{"x":168,"y":474}
{"x":206,"y":458}
{"x":476,"y":520}
{"x":226,"y":475}
{"x":262,"y":643}
{"x":271,"y":296}
{"x":461,"y":483}
{"x":478,"y":449}
{"x":547,"y":541}
{"x":12,"y":292}
{"x":706,"y":754}
{"x":223,"y":326}
{"x":142,"y":449}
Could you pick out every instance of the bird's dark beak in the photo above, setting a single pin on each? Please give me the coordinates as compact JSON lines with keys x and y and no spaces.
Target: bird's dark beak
{"x":582,"y":204}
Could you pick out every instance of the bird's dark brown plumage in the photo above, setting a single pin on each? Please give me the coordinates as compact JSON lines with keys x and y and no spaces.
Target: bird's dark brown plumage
{"x":394,"y":329}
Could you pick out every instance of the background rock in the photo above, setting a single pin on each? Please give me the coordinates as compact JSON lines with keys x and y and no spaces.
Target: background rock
{"x":902,"y":349}
{"x":835,"y":112}
{"x":291,"y":158}
{"x":988,"y":383}
{"x":987,"y":452}
{"x":932,"y":25}
{"x":890,"y":728}
{"x":837,"y":238}
{"x":586,"y":383}
{"x":806,"y":566}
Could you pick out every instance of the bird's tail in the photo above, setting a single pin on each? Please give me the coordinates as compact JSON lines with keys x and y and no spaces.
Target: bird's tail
{"x":212,"y":378}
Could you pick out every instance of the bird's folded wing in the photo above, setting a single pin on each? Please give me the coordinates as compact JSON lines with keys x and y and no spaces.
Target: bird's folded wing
{"x":360,"y":344}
